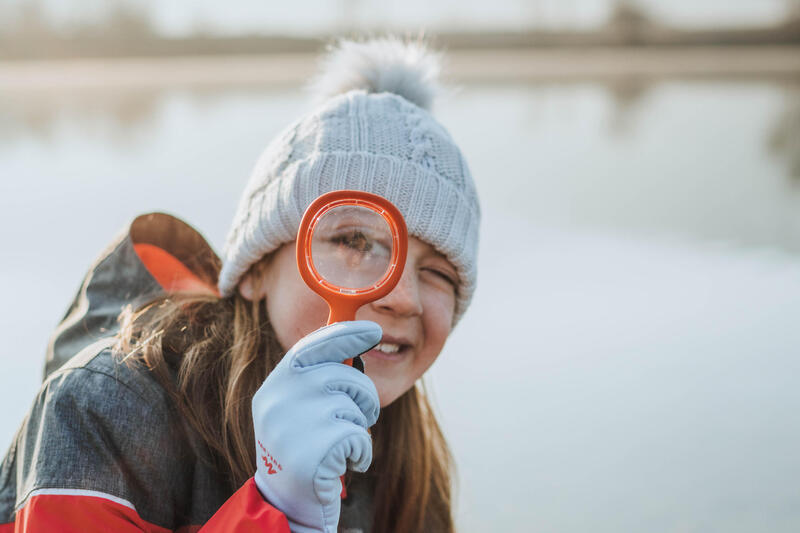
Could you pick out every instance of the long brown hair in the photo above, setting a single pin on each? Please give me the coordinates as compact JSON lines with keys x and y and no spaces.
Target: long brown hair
{"x":211,"y":354}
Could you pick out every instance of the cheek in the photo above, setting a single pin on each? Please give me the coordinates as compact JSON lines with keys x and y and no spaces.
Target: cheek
{"x":437,"y":322}
{"x":295,"y":310}
{"x":438,"y":318}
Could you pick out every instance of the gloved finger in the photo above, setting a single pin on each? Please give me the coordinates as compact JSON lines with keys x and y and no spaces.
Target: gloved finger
{"x":336,"y":342}
{"x":353,"y":416}
{"x":358,"y":450}
{"x":342,"y":408}
{"x":353,"y":451}
{"x":358,"y":388}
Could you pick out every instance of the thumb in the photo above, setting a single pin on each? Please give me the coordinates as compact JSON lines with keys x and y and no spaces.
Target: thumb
{"x":336,"y":342}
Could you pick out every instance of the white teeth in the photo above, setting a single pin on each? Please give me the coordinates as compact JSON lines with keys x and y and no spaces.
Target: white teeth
{"x":387,"y":347}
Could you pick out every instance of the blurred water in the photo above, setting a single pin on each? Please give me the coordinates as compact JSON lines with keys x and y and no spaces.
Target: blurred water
{"x":630,"y":359}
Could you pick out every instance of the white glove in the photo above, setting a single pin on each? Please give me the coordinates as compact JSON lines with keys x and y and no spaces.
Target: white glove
{"x":310,"y":417}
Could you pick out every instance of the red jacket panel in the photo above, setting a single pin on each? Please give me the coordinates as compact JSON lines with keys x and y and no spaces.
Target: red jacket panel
{"x":81,"y":511}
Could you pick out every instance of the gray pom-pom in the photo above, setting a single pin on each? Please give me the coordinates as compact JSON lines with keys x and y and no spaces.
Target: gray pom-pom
{"x":378,"y":65}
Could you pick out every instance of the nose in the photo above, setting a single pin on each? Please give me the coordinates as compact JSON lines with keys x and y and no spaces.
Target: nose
{"x":404,"y":300}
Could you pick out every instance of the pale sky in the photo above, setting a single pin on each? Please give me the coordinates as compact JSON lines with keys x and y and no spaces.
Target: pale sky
{"x":308,"y":17}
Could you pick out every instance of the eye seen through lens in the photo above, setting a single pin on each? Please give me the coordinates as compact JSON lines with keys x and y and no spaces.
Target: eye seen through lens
{"x":351,"y":247}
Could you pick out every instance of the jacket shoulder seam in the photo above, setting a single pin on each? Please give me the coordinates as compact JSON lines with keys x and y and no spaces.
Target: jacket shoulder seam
{"x":76,"y":369}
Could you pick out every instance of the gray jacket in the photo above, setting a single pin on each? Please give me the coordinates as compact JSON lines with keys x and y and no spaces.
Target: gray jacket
{"x":98,"y":425}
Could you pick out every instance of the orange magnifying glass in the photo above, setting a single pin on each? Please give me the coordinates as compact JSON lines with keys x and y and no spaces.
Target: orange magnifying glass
{"x":351,"y":250}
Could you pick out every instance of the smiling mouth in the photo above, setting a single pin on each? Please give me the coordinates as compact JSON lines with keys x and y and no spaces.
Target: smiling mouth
{"x":388,"y":347}
{"x":389,"y":350}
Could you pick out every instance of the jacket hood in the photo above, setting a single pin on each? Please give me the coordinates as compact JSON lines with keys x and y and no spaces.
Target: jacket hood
{"x":152,"y":256}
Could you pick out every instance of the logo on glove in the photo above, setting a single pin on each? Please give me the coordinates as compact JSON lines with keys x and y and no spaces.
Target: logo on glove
{"x":269,"y":461}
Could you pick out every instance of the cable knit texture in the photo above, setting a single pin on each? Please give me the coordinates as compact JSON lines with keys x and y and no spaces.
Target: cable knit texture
{"x":378,"y":142}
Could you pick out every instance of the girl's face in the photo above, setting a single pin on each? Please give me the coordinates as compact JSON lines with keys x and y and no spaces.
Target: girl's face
{"x":416,"y":316}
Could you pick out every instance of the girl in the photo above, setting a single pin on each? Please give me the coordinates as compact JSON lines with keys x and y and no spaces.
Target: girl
{"x":221,"y":404}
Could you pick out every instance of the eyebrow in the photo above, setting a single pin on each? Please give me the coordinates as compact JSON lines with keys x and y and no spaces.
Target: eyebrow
{"x":436,"y":254}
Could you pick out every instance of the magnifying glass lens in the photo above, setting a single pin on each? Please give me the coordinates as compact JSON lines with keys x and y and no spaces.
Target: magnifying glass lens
{"x":351,"y":247}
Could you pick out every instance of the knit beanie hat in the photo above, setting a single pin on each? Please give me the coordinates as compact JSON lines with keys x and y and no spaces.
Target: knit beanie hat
{"x":371,"y":132}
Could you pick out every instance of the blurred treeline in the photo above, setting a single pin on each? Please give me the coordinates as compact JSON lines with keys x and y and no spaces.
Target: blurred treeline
{"x":26,"y":32}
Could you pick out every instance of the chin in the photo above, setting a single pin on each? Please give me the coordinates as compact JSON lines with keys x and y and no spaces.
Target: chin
{"x":388,"y":389}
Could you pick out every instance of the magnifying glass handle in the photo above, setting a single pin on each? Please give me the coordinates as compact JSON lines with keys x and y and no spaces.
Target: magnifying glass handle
{"x":344,"y":313}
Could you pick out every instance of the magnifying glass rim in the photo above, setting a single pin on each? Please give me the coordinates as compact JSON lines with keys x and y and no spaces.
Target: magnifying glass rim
{"x":322,"y":205}
{"x":392,"y":260}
